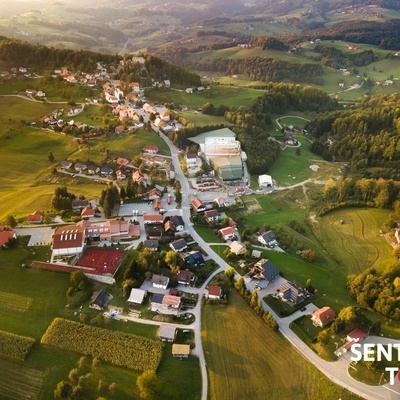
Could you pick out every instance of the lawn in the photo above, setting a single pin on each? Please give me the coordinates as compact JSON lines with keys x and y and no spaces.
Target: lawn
{"x":207,"y":234}
{"x":356,"y":243}
{"x":246,"y":360}
{"x":290,"y":168}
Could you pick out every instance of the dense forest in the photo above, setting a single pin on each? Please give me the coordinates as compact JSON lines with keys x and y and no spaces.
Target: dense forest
{"x":15,"y":53}
{"x":384,"y":34}
{"x":265,"y":69}
{"x":366,"y":136}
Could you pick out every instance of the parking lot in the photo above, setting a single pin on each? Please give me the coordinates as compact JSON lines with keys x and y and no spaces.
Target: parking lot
{"x":41,"y":236}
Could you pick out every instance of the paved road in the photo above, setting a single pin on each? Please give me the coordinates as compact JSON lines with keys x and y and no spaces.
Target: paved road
{"x":335,"y":371}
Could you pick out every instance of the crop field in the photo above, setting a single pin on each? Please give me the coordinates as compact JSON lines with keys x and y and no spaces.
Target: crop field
{"x":246,"y":360}
{"x":14,"y":302}
{"x":356,"y":243}
{"x":19,"y":381}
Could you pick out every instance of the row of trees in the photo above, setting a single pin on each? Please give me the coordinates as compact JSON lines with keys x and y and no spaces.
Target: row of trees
{"x":381,"y":193}
{"x":116,"y":347}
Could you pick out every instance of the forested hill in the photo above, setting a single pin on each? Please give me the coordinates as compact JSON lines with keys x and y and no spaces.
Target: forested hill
{"x":368,"y":136}
{"x":383,"y":34}
{"x":15,"y":53}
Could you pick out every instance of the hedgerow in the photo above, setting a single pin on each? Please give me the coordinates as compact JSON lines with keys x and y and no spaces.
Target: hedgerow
{"x":15,"y":346}
{"x":117,"y":348}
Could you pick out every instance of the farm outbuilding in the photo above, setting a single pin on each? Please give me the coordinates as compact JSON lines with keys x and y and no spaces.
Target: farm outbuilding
{"x":181,"y":350}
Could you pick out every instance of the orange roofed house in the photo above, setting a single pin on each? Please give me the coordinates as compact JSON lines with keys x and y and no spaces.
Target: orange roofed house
{"x":35,"y":218}
{"x":323,"y":316}
{"x":6,"y":234}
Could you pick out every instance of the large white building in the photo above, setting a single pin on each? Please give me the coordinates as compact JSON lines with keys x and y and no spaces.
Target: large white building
{"x":223,"y":152}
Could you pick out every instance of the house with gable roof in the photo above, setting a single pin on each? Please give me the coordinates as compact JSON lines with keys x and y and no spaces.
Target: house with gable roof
{"x":265,"y":270}
{"x":35,"y":218}
{"x":323,"y":316}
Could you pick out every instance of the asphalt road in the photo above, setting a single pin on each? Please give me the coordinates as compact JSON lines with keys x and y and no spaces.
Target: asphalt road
{"x":336,"y":371}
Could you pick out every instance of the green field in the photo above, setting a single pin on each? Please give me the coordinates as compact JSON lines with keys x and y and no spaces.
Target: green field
{"x":290,"y":168}
{"x":246,"y":360}
{"x":356,"y":244}
{"x":217,"y":94}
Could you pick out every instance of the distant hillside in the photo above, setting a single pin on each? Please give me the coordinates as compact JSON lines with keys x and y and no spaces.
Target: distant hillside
{"x":15,"y":53}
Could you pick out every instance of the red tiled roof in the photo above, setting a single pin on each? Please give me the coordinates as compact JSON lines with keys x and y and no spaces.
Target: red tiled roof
{"x":214,"y":291}
{"x":68,"y":236}
{"x":36,"y":216}
{"x":171,"y":300}
{"x":5,"y":236}
{"x":227,"y":231}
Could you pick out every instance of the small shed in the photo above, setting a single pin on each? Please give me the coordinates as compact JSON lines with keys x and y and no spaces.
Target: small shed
{"x":181,"y":350}
{"x":100,"y":299}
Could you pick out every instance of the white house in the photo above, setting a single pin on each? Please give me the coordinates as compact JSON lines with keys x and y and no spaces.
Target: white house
{"x":160,"y":281}
{"x":265,"y":181}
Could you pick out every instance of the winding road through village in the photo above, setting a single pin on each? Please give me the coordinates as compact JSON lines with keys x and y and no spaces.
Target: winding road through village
{"x":336,"y":371}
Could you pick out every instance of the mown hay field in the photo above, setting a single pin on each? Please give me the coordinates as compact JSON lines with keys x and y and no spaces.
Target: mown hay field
{"x":246,"y":360}
{"x":352,"y":236}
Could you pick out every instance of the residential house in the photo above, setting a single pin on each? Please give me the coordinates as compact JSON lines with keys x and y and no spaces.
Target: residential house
{"x":178,"y":245}
{"x":87,"y":212}
{"x":66,"y":164}
{"x":178,"y":223}
{"x":121,"y":175}
{"x":153,"y":233}
{"x":214,"y":292}
{"x":160,"y":281}
{"x":106,"y":171}
{"x":170,"y":171}
{"x":323,"y":316}
{"x":265,"y":269}
{"x":355,"y":336}
{"x":232,"y":223}
{"x":197,"y":205}
{"x":292,"y":293}
{"x":137,"y":296}
{"x":184,"y":277}
{"x":122,"y":161}
{"x":167,"y":333}
{"x":153,"y":219}
{"x":227,"y":233}
{"x":35,"y":218}
{"x":194,"y":258}
{"x":151,"y":244}
{"x":191,"y":159}
{"x":80,"y":167}
{"x":211,"y":215}
{"x":268,"y":238}
{"x":152,"y":194}
{"x":152,"y":149}
{"x":220,"y":201}
{"x":68,"y":240}
{"x":165,"y":303}
{"x":92,"y":170}
{"x":79,"y":205}
{"x":138,"y":177}
{"x":237,"y":247}
{"x":100,"y":299}
{"x":169,"y":227}
{"x":181,"y":350}
{"x":6,"y":234}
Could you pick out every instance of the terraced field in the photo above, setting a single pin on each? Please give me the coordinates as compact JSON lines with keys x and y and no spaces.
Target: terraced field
{"x":18,"y":381}
{"x":353,"y":237}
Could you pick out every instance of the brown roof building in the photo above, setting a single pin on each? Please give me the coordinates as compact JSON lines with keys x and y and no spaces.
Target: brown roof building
{"x":68,"y":240}
{"x":323,"y":316}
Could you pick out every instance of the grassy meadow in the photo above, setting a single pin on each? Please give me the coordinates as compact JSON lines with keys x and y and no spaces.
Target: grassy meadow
{"x":356,"y":243}
{"x":246,"y":360}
